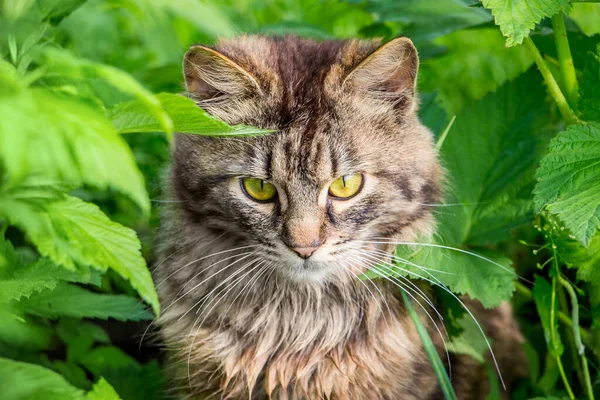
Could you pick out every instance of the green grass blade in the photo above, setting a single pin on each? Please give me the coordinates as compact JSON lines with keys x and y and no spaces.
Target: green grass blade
{"x":436,"y":362}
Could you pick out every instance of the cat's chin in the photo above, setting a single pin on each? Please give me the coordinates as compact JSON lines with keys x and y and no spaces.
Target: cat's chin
{"x":309,"y":272}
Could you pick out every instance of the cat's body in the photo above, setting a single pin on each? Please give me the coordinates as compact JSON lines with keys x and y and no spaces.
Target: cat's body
{"x":261,"y":297}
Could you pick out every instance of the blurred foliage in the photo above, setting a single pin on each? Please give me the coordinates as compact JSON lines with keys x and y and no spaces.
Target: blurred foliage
{"x":87,"y":109}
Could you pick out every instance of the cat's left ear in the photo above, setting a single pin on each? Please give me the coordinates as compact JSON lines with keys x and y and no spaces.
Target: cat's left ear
{"x":389,"y":73}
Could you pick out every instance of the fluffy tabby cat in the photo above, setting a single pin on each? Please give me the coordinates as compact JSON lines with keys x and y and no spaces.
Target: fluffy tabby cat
{"x":265,"y":236}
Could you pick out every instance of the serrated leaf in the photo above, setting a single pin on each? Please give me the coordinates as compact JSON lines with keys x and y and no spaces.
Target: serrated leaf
{"x":73,"y":301}
{"x":20,"y":279}
{"x":102,"y":391}
{"x":187,"y":117}
{"x":70,"y":231}
{"x":22,"y":381}
{"x":462,"y":273}
{"x":76,"y":146}
{"x":517,"y":18}
{"x":569,"y":180}
{"x":542,"y":295}
{"x":589,"y":101}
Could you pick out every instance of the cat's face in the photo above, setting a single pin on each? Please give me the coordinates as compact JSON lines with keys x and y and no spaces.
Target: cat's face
{"x":348,"y":164}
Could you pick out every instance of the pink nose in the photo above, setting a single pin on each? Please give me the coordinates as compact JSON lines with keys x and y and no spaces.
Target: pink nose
{"x":304,"y":252}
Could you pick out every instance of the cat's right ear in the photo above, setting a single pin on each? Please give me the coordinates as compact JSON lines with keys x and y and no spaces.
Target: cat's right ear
{"x":211,"y":75}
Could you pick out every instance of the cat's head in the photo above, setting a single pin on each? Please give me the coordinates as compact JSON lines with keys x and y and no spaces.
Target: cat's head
{"x":348,"y":165}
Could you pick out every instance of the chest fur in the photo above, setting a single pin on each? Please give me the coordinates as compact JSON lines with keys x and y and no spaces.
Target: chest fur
{"x":304,"y":351}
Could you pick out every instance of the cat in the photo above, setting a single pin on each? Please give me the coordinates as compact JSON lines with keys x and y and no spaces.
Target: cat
{"x":264,"y":237}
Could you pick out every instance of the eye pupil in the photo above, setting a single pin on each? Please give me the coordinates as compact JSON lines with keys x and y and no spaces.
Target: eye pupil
{"x":258,"y":189}
{"x":346,"y":186}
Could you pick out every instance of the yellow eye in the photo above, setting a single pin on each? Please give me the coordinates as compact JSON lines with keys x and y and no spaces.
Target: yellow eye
{"x":259,"y":190}
{"x":346,"y":186}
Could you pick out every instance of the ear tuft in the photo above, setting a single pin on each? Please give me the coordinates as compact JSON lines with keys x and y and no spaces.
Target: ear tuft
{"x":212,"y":75}
{"x":389,"y":73}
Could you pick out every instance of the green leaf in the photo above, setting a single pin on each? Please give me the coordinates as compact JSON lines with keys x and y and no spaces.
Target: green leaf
{"x":18,"y":331}
{"x":70,"y":231}
{"x":22,"y":381}
{"x":19,"y":278}
{"x":476,"y":62}
{"x":569,"y":180}
{"x":586,"y":15}
{"x":76,"y":146}
{"x":470,"y":341}
{"x":61,"y":62}
{"x":102,"y":391}
{"x":132,"y":380}
{"x":585,"y":260}
{"x":589,"y":101}
{"x":428,"y":19}
{"x":542,"y":295}
{"x":186,"y":115}
{"x":73,"y":301}
{"x":517,"y":17}
{"x":488,"y":282}
{"x":491,"y":155}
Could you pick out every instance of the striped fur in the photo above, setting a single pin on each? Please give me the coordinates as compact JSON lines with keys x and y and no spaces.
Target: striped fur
{"x":260,"y":322}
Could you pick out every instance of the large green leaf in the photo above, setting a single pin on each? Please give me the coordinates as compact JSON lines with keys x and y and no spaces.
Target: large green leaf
{"x":490,"y":282}
{"x":62,"y":139}
{"x":187,"y":117}
{"x":491,"y":155}
{"x":476,"y":62}
{"x":569,"y":180}
{"x":490,"y":158}
{"x":517,"y":17}
{"x":62,"y":63}
{"x":70,"y":231}
{"x":589,"y":102}
{"x":22,"y":381}
{"x":73,"y":301}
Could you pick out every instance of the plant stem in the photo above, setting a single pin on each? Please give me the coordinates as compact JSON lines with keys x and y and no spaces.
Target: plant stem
{"x":562,"y":317}
{"x":573,"y":347}
{"x":577,"y":337}
{"x":565,"y":59}
{"x":554,"y":339}
{"x":431,"y":351}
{"x":555,"y":92}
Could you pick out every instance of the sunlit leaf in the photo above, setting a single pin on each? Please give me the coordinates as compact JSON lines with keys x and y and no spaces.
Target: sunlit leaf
{"x":518,"y":17}
{"x":569,"y":180}
{"x":187,"y":117}
{"x":70,"y":231}
{"x":21,"y":381}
